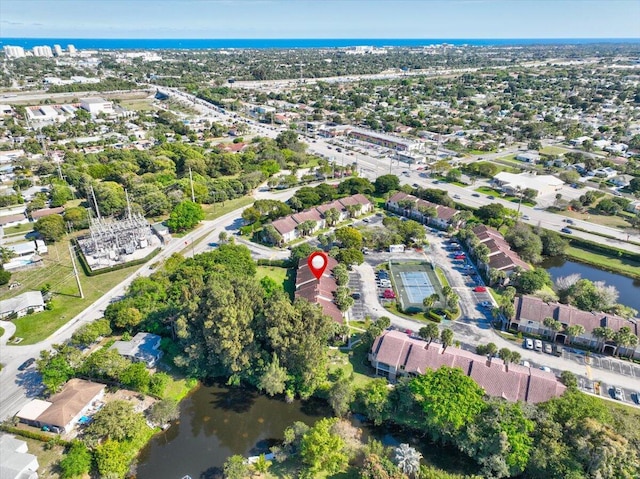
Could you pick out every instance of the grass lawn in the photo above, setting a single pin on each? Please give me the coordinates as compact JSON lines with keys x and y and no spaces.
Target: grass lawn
{"x":211,"y":212}
{"x":593,"y":217}
{"x":610,"y":263}
{"x":282,"y":276}
{"x":179,"y":387}
{"x":354,"y":361}
{"x":553,"y":150}
{"x":48,"y":457}
{"x":140,"y":104}
{"x":488,"y":191}
{"x":58,"y":273}
{"x":11,"y":230}
{"x":441,"y":277}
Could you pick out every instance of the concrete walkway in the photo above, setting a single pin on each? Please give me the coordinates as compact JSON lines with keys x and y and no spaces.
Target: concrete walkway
{"x":9,"y":330}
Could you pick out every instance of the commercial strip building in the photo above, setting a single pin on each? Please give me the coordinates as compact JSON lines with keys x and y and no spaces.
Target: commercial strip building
{"x":395,"y":354}
{"x":411,"y":206}
{"x":512,"y":184}
{"x":288,"y":226}
{"x":530,"y":313}
{"x":318,"y":291}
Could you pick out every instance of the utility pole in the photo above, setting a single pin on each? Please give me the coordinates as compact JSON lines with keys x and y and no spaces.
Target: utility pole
{"x":95,"y":202}
{"x":193,"y":196}
{"x":126,"y":194}
{"x":75,"y":270}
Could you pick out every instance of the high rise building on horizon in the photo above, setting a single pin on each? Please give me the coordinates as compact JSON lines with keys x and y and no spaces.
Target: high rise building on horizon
{"x":71,"y":49}
{"x":42,"y":51}
{"x":13,"y":52}
{"x":57,"y":49}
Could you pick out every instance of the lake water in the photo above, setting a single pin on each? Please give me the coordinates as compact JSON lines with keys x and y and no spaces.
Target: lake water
{"x":217,"y":422}
{"x":629,"y":288}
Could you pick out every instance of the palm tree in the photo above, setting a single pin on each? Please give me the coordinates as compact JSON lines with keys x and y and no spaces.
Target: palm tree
{"x":429,"y":301}
{"x":332,"y":216}
{"x":554,"y":325}
{"x":515,"y":357}
{"x":506,"y":355}
{"x":603,"y":334}
{"x":452,"y":300}
{"x":429,"y":333}
{"x":574,"y":330}
{"x":624,"y":338}
{"x":407,"y":459}
{"x":262,"y":465}
{"x":446,"y":337}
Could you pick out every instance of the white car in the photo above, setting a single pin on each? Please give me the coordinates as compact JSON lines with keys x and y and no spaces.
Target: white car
{"x":537,"y":345}
{"x":617,"y":394}
{"x":526,"y":364}
{"x":528,"y":343}
{"x":546,"y":369}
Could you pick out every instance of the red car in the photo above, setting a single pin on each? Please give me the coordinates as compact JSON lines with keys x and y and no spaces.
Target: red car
{"x":389,"y":294}
{"x":480,"y":289}
{"x":459,"y":256}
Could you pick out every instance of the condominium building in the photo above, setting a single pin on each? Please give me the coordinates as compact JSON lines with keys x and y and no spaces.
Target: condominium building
{"x":13,"y":52}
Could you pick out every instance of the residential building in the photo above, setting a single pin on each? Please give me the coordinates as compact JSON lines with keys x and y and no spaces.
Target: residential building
{"x":42,"y":51}
{"x":501,"y":256}
{"x":22,"y":304}
{"x":95,"y":106}
{"x":444,"y":218}
{"x":37,"y":214}
{"x":16,"y":462}
{"x":528,"y":157}
{"x":395,"y":354}
{"x":143,"y":347}
{"x":318,"y":291}
{"x":530,"y":313}
{"x":12,"y":51}
{"x":71,"y":49}
{"x":287,"y":226}
{"x":13,"y":220}
{"x":622,"y":181}
{"x":605,"y":172}
{"x":75,"y":400}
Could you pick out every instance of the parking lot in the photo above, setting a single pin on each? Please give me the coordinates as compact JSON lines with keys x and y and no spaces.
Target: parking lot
{"x":355,"y":285}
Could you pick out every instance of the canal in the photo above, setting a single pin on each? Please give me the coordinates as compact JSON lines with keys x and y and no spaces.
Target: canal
{"x":217,"y":422}
{"x":629,"y":288}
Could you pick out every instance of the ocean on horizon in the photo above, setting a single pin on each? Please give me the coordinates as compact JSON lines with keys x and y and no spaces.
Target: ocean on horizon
{"x":279,"y":43}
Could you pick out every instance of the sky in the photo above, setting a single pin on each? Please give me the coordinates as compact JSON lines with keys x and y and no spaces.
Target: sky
{"x":320,"y":18}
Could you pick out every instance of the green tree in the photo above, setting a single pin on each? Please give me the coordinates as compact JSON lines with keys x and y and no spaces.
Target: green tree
{"x":118,"y":421}
{"x":374,"y":397}
{"x":158,"y":383}
{"x":112,"y":459}
{"x":407,"y":459}
{"x":449,"y":398}
{"x":262,"y":465}
{"x":164,"y":411}
{"x":354,"y":185}
{"x":341,"y":395}
{"x":136,"y":377}
{"x":235,"y":467}
{"x":386,"y":183}
{"x":110,"y":197}
{"x":51,"y":228}
{"x":429,"y":332}
{"x":554,"y":325}
{"x":184,"y":216}
{"x":530,"y":281}
{"x":349,"y":237}
{"x":274,"y":380}
{"x":446,"y":337}
{"x":350,"y":256}
{"x":331,"y":216}
{"x":323,"y":451}
{"x":76,"y":462}
{"x":77,"y":216}
{"x":574,"y":330}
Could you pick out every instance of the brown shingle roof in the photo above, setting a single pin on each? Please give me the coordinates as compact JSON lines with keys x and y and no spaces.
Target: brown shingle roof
{"x":318,"y":292}
{"x":308,"y":215}
{"x":518,"y":383}
{"x":73,"y":398}
{"x":530,"y":308}
{"x":285,"y":225}
{"x":35,"y":215}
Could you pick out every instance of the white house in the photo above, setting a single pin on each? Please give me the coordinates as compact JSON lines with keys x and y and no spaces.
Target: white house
{"x":143,"y":347}
{"x":529,"y":157}
{"x":16,"y":462}
{"x":22,"y":304}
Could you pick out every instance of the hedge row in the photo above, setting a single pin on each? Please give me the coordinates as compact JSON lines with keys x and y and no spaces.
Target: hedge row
{"x":89,"y":272}
{"x":280,"y":263}
{"x":37,"y":435}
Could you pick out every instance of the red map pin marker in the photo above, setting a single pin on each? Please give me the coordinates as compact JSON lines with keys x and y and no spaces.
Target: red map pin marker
{"x":317,"y":263}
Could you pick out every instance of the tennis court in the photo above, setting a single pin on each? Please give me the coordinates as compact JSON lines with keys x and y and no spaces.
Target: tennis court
{"x":416,"y":285}
{"x":414,"y":281}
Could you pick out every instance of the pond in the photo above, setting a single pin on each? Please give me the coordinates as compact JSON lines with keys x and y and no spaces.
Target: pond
{"x":218,"y":422}
{"x":629,"y":288}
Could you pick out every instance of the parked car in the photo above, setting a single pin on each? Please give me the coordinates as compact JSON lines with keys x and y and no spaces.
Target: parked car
{"x":617,"y":394}
{"x":26,"y":364}
{"x":528,"y":343}
{"x":459,"y":256}
{"x":485,"y":304}
{"x":389,"y":294}
{"x":546,"y":369}
{"x":480,"y":289}
{"x":547,"y":348}
{"x":356,"y":296}
{"x":537,"y":345}
{"x":526,"y":364}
